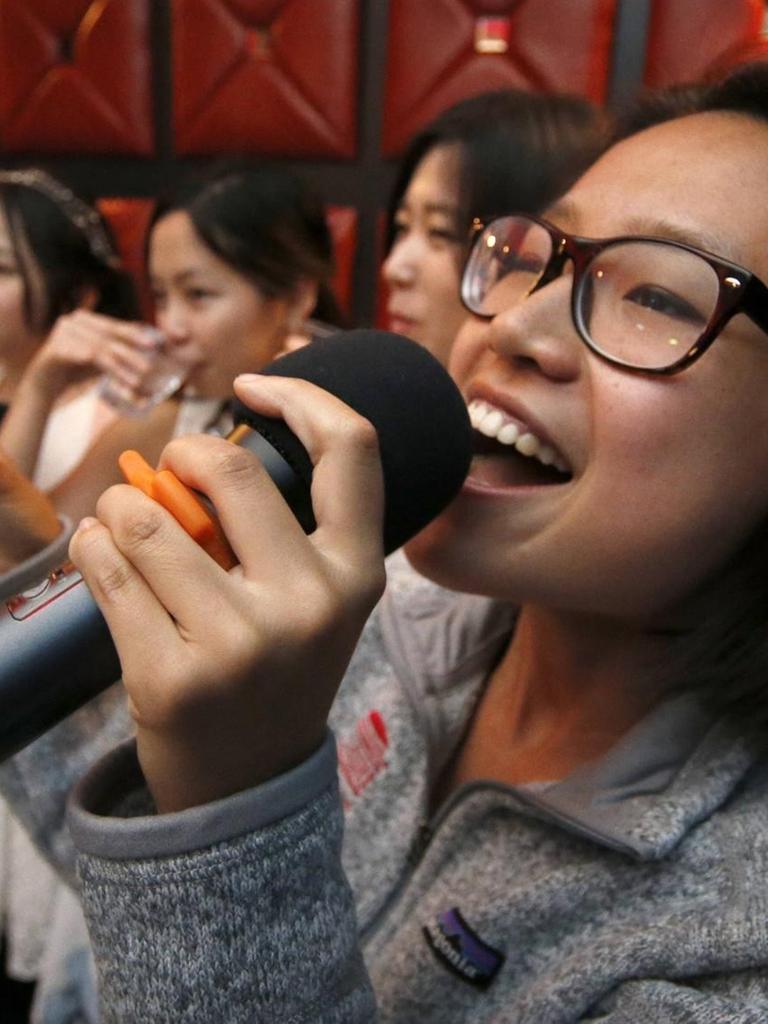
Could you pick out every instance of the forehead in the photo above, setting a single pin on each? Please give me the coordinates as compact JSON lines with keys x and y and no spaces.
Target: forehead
{"x":436,"y":177}
{"x":174,"y":233}
{"x":175,"y":247}
{"x":703,"y":175}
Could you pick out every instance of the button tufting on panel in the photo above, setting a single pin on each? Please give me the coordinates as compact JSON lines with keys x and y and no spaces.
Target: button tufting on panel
{"x":258,"y":42}
{"x":67,"y":49}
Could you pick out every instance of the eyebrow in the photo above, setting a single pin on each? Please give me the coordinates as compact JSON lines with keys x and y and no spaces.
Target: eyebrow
{"x":448,"y":209}
{"x":182,"y":276}
{"x":654,"y":227}
{"x":676,"y":232}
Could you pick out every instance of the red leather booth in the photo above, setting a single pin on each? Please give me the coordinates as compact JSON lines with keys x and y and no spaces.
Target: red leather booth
{"x":690,"y":39}
{"x":75,"y":76}
{"x":273,"y":76}
{"x":441,"y":51}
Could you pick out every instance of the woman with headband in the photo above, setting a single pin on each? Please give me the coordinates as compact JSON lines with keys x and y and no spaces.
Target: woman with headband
{"x":56,"y":256}
{"x":57,"y":260}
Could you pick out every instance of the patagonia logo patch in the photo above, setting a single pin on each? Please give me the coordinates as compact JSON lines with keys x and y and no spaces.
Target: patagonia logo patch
{"x":462,"y":950}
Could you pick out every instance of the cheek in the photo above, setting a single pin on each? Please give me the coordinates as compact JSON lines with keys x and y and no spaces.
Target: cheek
{"x":12,"y":299}
{"x":441,"y":277}
{"x":664,"y":506}
{"x":253,"y":333}
{"x":467,"y":348}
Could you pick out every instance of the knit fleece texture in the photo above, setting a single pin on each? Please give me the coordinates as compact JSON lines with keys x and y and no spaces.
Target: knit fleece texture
{"x":632,"y":891}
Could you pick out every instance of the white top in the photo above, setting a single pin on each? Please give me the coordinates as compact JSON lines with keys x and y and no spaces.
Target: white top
{"x":70,"y":431}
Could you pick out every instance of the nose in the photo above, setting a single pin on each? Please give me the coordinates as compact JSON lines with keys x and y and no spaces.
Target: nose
{"x":172,"y":320}
{"x":401,"y":265}
{"x":538,"y":332}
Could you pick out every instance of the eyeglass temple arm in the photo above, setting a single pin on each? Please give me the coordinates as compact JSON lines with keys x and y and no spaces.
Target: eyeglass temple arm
{"x":755,"y":303}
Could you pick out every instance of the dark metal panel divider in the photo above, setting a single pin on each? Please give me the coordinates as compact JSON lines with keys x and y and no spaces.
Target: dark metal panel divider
{"x":630,"y":42}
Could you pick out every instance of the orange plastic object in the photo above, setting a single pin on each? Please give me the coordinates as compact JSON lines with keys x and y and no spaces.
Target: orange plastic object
{"x":167,"y":490}
{"x":137,"y":471}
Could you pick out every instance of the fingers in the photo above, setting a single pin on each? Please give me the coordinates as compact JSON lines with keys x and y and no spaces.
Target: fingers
{"x":84,"y":342}
{"x":166,"y":558}
{"x":124,"y":598}
{"x":347,"y":483}
{"x":115,"y":346}
{"x":137,"y":335}
{"x":263,"y":533}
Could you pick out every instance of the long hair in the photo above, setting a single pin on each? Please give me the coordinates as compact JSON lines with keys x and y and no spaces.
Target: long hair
{"x":63,"y":249}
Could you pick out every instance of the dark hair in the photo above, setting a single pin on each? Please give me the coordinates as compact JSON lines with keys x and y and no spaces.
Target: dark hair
{"x":743,"y":91}
{"x":518,"y":151}
{"x":726,"y":654}
{"x":55,"y":255}
{"x":266,"y":223}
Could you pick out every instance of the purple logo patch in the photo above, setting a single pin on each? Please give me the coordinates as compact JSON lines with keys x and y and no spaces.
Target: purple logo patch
{"x":462,"y":950}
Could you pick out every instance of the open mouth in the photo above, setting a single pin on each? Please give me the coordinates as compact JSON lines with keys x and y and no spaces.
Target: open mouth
{"x":509,"y":454}
{"x":501,"y":465}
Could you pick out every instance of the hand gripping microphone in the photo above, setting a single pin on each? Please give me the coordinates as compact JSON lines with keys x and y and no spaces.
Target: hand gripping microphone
{"x":56,"y":652}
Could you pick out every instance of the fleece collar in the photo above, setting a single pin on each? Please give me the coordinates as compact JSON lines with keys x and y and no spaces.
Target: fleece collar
{"x":670,"y":771}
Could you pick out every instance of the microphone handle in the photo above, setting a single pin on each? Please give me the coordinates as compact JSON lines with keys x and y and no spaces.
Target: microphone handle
{"x":56,"y":651}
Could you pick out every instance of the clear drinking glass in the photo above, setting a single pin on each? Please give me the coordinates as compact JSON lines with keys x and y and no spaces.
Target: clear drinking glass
{"x":164,"y":378}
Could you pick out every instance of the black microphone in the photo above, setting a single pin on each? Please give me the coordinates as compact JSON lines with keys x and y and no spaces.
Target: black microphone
{"x":56,"y":651}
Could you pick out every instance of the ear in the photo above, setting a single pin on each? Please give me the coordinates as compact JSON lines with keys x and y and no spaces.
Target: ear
{"x":302,"y":302}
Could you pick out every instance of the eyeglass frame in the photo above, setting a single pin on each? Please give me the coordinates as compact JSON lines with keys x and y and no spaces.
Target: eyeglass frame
{"x":739,"y":289}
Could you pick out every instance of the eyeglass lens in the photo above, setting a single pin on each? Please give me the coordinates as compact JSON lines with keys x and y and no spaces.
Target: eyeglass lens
{"x":643,"y":303}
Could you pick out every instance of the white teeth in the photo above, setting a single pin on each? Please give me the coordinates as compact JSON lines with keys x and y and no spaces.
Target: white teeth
{"x":508,"y":434}
{"x":493,"y":423}
{"x":547,"y":455}
{"x":528,"y":444}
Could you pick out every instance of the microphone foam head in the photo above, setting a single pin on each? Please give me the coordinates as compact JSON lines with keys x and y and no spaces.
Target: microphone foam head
{"x":417,"y":410}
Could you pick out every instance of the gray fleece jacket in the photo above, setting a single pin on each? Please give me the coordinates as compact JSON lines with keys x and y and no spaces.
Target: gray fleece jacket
{"x":632,"y":891}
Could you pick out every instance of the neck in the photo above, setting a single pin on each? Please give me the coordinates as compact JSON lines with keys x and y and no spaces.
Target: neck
{"x":566,"y":689}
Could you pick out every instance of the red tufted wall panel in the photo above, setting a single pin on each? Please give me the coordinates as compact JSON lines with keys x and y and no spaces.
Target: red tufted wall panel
{"x":75,"y":76}
{"x":342,"y":220}
{"x":271,"y":76}
{"x":689,"y":38}
{"x":129,"y":220}
{"x":441,"y":51}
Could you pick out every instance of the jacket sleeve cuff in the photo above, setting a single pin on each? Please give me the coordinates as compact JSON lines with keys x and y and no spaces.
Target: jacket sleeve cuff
{"x":33,"y":569}
{"x":111,"y":814}
{"x":238,"y":910}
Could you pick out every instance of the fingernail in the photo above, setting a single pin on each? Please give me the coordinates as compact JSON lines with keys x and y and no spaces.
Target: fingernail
{"x":87,"y":523}
{"x":248,"y":378}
